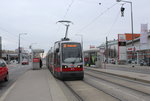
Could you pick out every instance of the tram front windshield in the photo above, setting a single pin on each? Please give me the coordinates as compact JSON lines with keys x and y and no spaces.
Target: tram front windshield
{"x":71,"y":53}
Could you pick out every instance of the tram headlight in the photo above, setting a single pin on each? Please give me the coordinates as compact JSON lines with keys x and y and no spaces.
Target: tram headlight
{"x":64,"y":66}
{"x":79,"y":66}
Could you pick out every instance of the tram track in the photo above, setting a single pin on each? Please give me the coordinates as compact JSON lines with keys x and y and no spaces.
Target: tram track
{"x":79,"y":98}
{"x":135,"y":79}
{"x":69,"y":92}
{"x":98,"y":86}
{"x":104,"y":91}
{"x":95,"y":79}
{"x":139,"y":86}
{"x":82,"y":91}
{"x":87,"y":92}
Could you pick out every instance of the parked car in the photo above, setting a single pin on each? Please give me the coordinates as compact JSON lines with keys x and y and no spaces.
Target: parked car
{"x":130,"y":61}
{"x":113,"y":61}
{"x":25,"y":62}
{"x":134,"y":62}
{"x":4,"y":75}
{"x":13,"y":61}
{"x":143,"y":63}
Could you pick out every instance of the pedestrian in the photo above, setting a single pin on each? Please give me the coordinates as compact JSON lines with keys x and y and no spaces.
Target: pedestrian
{"x":41,"y":63}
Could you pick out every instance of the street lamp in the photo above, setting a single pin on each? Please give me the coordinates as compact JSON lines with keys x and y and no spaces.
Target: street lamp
{"x":81,"y":44}
{"x":19,"y":51}
{"x":131,"y":25}
{"x":81,"y":38}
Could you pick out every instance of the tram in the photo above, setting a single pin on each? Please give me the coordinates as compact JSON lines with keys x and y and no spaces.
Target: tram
{"x":65,"y":60}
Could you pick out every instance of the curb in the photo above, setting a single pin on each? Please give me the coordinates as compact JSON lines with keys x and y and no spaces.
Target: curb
{"x":129,"y":66}
{"x":55,"y":89}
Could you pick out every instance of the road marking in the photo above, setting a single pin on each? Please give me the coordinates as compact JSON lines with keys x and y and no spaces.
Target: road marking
{"x":3,"y":97}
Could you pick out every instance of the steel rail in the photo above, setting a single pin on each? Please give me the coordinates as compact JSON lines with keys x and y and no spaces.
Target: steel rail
{"x":117,"y":84}
{"x":74,"y":93}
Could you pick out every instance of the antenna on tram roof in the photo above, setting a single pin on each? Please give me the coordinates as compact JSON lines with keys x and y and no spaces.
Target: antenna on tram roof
{"x":67,"y":24}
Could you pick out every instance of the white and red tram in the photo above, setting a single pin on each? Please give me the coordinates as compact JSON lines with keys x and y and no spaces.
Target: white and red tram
{"x":65,"y":60}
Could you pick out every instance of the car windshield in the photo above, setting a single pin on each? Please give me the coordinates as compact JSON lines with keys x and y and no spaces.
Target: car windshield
{"x":1,"y":63}
{"x":71,"y":52}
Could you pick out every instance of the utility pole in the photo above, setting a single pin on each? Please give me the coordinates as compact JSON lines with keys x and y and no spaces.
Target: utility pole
{"x":130,"y":2}
{"x":81,"y":38}
{"x":107,"y":50}
{"x":19,"y":50}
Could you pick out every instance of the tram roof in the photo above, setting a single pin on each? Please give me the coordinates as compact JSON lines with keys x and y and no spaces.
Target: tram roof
{"x":92,"y":50}
{"x":67,"y":42}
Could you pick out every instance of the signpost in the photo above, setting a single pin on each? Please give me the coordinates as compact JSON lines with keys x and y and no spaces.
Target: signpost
{"x":102,"y":50}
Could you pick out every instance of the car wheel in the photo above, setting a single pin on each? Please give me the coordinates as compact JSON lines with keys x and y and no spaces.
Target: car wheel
{"x":6,"y":78}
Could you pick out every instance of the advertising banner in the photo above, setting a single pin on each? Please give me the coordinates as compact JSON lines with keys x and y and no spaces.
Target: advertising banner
{"x":122,"y":54}
{"x":144,"y":34}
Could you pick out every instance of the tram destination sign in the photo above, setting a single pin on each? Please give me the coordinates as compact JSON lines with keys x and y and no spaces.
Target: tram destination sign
{"x":70,"y":45}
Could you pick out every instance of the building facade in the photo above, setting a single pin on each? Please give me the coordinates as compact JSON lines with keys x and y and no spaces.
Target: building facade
{"x":140,"y":53}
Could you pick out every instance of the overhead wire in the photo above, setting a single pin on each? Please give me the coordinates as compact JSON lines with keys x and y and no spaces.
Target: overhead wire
{"x":9,"y":39}
{"x":66,"y":13}
{"x":97,"y":17}
{"x":89,"y":1}
{"x":9,"y":36}
{"x":113,"y":24}
{"x":4,"y":30}
{"x":68,"y":8}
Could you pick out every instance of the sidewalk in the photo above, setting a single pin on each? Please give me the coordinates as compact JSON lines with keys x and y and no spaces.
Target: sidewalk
{"x":130,"y":75}
{"x":35,"y":85}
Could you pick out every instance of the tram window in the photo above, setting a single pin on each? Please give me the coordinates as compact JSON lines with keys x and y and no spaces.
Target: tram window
{"x":71,"y":52}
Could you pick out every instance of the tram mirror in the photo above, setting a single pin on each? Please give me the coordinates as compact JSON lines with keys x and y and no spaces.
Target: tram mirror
{"x":57,"y":50}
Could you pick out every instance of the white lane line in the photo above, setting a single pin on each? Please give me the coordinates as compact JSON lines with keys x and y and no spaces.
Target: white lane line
{"x":3,"y":97}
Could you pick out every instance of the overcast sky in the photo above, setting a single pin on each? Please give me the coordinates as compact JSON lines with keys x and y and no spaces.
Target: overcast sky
{"x":94,"y":19}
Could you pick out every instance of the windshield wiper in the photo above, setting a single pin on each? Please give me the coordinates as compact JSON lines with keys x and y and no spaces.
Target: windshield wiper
{"x":74,"y":60}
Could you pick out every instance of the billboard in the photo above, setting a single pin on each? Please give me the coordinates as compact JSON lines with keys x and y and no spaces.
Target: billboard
{"x":129,"y":36}
{"x":122,"y":54}
{"x":144,"y":34}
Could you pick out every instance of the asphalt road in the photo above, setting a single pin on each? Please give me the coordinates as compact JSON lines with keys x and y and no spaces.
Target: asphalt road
{"x":15,"y":71}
